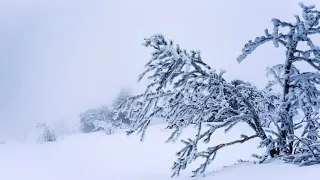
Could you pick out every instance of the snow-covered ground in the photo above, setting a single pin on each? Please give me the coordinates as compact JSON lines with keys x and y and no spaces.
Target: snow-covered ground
{"x":118,"y":157}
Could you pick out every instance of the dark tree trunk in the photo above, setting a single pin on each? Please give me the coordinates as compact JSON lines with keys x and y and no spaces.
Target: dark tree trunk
{"x":287,"y":124}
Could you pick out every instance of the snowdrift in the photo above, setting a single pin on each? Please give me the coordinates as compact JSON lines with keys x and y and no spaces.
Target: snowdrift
{"x":119,"y":157}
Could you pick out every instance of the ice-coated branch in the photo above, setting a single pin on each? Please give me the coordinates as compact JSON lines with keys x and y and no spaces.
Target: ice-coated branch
{"x":211,"y":152}
{"x":253,"y":45}
{"x":306,"y":152}
{"x":298,"y":31}
{"x":170,"y":63}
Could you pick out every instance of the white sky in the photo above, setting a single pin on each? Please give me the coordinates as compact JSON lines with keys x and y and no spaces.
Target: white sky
{"x":58,"y":58}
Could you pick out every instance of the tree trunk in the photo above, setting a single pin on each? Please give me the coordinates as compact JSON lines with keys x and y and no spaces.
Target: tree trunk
{"x":287,"y":124}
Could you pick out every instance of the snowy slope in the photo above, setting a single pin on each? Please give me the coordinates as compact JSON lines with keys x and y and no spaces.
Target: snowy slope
{"x":118,"y":157}
{"x":267,"y":171}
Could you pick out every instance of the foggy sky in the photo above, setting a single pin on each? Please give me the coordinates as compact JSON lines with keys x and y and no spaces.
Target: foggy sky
{"x":58,"y":58}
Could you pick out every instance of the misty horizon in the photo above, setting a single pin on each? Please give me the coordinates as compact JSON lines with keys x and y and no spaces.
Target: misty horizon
{"x":59,"y":58}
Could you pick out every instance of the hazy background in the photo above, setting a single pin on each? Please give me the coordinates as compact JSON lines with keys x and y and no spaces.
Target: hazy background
{"x":58,"y":58}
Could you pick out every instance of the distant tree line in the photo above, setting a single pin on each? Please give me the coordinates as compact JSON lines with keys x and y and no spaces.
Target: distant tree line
{"x":103,"y":118}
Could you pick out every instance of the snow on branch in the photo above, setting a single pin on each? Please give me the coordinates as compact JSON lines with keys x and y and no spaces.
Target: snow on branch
{"x":211,"y":152}
{"x":171,"y":63}
{"x":298,"y":31}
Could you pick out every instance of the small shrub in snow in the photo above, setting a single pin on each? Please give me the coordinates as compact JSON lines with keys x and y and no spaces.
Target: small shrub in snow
{"x":47,"y":134}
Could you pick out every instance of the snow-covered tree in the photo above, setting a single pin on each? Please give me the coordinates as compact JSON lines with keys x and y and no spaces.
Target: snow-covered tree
{"x":96,"y":119}
{"x":186,"y":91}
{"x":300,"y":89}
{"x":123,"y":95}
{"x":88,"y":118}
{"x":86,"y":121}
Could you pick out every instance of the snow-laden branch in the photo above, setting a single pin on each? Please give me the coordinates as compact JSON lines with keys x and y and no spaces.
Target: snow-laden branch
{"x":211,"y":152}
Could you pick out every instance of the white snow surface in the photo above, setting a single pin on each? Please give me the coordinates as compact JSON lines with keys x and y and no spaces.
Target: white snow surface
{"x":118,"y":157}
